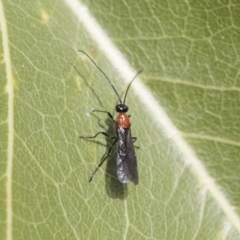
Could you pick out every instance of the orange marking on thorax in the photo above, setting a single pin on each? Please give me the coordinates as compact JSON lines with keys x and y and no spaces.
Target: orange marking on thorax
{"x":122,"y":120}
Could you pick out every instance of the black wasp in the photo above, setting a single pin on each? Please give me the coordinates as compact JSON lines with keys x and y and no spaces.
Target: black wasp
{"x":126,"y":162}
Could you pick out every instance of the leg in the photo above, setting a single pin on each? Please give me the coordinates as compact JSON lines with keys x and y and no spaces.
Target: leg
{"x":134,"y":139}
{"x":103,"y":133}
{"x":108,"y":113}
{"x":108,"y":154}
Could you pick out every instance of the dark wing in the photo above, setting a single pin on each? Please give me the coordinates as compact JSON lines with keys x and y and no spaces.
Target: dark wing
{"x":126,"y":157}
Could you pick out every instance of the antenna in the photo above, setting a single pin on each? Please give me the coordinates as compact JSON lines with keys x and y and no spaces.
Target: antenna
{"x":102,"y":74}
{"x":130,"y":85}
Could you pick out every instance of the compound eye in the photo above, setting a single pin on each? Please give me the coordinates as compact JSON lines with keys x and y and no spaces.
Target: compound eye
{"x":121,"y":108}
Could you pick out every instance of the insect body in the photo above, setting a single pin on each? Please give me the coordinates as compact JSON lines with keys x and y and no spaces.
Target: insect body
{"x":126,"y":162}
{"x":126,"y":157}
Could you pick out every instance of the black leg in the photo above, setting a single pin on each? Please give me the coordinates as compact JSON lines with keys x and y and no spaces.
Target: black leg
{"x":108,"y":154}
{"x":103,"y":133}
{"x":134,"y":139}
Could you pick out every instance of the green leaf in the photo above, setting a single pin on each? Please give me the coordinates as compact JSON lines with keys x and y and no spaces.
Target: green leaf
{"x":185,"y":114}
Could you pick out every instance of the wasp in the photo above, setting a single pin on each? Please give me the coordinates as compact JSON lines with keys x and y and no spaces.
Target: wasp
{"x":126,"y":161}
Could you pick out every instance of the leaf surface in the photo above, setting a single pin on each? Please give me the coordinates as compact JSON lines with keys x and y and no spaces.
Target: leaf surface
{"x":188,"y":156}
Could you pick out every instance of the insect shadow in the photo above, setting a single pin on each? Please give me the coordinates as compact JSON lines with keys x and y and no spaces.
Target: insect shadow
{"x":126,"y":160}
{"x":114,"y":188}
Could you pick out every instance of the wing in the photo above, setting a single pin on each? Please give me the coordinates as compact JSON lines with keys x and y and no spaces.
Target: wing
{"x":126,"y":158}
